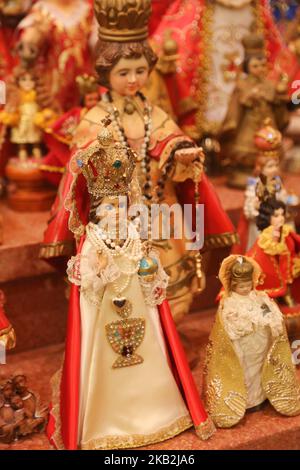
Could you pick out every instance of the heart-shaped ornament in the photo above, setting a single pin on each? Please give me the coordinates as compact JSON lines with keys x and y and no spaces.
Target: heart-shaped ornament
{"x":120,"y":302}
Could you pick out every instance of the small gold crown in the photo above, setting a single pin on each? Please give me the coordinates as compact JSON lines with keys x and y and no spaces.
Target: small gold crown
{"x":86,"y":84}
{"x":123,"y":20}
{"x":108,"y":166}
{"x":268,"y":138}
{"x":242,"y":270}
{"x":253,"y":44}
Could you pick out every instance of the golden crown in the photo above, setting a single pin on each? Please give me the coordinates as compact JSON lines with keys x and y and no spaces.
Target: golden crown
{"x":86,"y":84}
{"x":108,"y":166}
{"x":254,"y":44}
{"x":242,"y":270}
{"x":123,"y":20}
{"x":268,"y":138}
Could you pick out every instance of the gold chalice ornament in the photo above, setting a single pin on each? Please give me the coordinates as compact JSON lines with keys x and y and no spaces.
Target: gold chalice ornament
{"x":125,"y":336}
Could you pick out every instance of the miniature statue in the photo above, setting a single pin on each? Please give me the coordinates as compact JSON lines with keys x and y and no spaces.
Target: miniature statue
{"x":120,"y":353}
{"x":7,"y":333}
{"x":254,"y":100}
{"x":24,"y":115}
{"x":248,"y":357}
{"x":265,"y":183}
{"x":208,"y":35}
{"x":58,"y":33}
{"x":19,"y":416}
{"x":169,"y":162}
{"x":11,"y":13}
{"x":277,"y":251}
{"x":59,"y":136}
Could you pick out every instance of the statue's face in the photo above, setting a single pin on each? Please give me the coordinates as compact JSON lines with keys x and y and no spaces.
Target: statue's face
{"x":271,"y":168}
{"x":258,"y":67}
{"x":129,"y":76}
{"x":243,"y":287}
{"x":91,"y":99}
{"x":14,"y":7}
{"x":26,"y":82}
{"x":278,"y":218}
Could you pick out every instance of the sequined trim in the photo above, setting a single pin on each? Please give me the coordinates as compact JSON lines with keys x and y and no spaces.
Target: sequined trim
{"x":138,"y":440}
{"x":220,"y":240}
{"x":206,"y":429}
{"x":52,"y":168}
{"x":53,"y":250}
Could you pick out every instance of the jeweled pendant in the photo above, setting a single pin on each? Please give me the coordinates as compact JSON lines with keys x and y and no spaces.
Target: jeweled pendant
{"x":122,"y":306}
{"x":129,"y":107}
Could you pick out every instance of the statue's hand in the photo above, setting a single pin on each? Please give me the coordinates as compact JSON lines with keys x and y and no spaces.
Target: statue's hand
{"x":190,"y":155}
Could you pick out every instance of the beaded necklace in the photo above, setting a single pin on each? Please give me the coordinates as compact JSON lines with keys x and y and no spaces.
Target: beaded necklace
{"x":149,"y":194}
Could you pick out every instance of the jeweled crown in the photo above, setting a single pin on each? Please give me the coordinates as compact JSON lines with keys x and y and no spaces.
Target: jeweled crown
{"x":268,"y":139}
{"x":108,"y":166}
{"x":123,"y":20}
{"x":253,"y":43}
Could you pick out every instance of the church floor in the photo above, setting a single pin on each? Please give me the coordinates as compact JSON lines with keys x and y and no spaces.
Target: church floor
{"x":261,"y":430}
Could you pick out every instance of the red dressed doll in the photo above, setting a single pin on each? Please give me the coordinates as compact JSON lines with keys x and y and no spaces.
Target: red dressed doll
{"x":277,"y":251}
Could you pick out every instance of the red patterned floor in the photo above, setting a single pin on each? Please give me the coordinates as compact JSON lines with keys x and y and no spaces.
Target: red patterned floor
{"x":261,"y":430}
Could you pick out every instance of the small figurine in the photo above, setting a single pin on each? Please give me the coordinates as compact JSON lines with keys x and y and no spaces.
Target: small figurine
{"x":59,"y":135}
{"x":24,"y":115}
{"x":248,"y":357}
{"x":254,"y":99}
{"x":265,"y":183}
{"x":277,"y":251}
{"x":7,"y":333}
{"x":19,"y":416}
{"x":58,"y":34}
{"x":115,"y":362}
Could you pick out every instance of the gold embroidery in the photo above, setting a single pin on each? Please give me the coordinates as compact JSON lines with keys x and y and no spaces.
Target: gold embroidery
{"x":279,"y":379}
{"x":206,"y":429}
{"x":139,"y":440}
{"x":220,"y":240}
{"x":53,"y":250}
{"x":125,"y":336}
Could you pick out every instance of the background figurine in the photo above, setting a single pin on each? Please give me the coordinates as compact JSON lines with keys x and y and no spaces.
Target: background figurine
{"x":19,"y":414}
{"x":265,"y":183}
{"x":24,"y":115}
{"x":254,"y":99}
{"x":248,"y":357}
{"x":56,"y":35}
{"x":277,"y":251}
{"x":59,"y":135}
{"x":7,"y":333}
{"x":120,"y":352}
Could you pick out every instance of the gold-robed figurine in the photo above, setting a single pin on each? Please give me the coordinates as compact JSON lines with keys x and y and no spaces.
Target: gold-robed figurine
{"x":254,"y":99}
{"x":23,"y":120}
{"x":248,"y":357}
{"x":25,"y":115}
